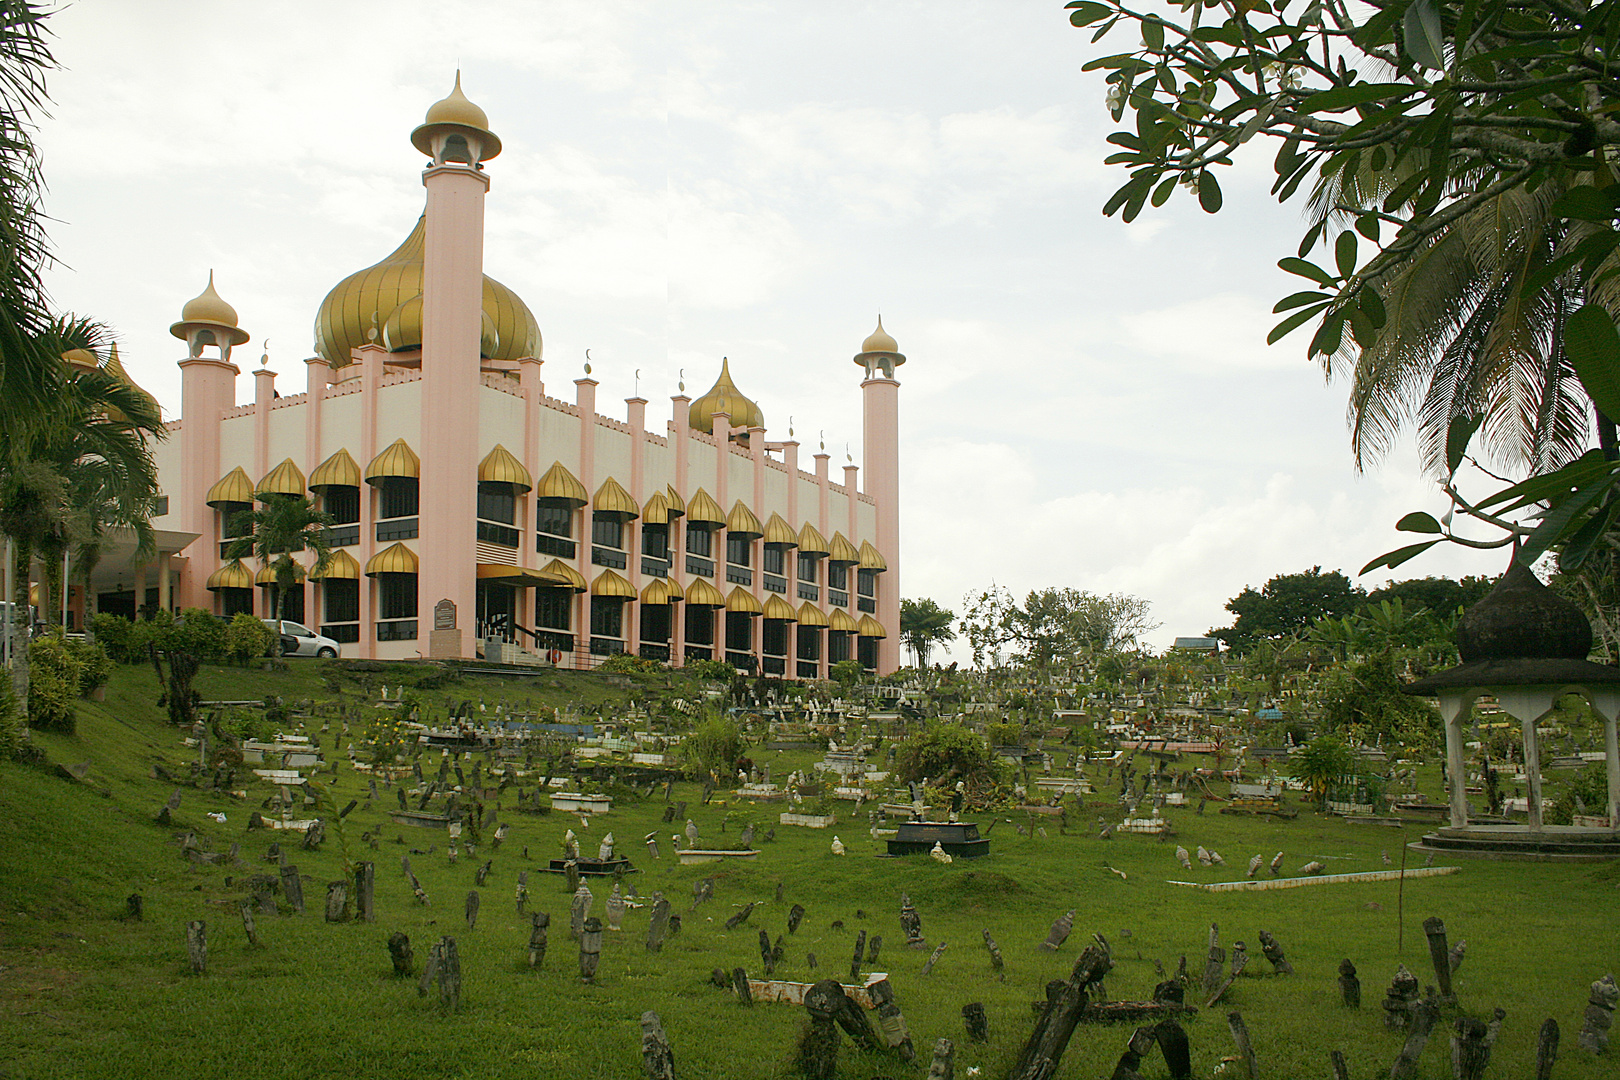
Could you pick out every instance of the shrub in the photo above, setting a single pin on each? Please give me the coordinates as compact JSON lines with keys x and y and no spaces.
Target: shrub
{"x":943,"y":750}
{"x":114,"y":632}
{"x":626,"y":664}
{"x":1590,"y":786}
{"x":1321,"y":763}
{"x":245,"y":637}
{"x":846,"y":672}
{"x":95,"y":666}
{"x":712,"y":670}
{"x":196,"y":632}
{"x":714,"y":746}
{"x":53,"y":684}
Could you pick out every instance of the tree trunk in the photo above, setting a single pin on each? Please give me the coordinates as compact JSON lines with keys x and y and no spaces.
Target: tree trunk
{"x":24,"y":556}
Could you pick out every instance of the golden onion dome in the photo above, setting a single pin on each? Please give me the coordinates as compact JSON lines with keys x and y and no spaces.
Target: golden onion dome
{"x":842,"y":551}
{"x":609,"y":585}
{"x":810,"y":615}
{"x":778,"y":608}
{"x":387,"y":298}
{"x":811,"y":542}
{"x":284,"y":479}
{"x":870,"y":627}
{"x":209,"y":309}
{"x":880,"y":340}
{"x":740,"y":601}
{"x":340,"y":565}
{"x":397,"y":459}
{"x":452,"y":113}
{"x":779,"y":533}
{"x":700,"y":593}
{"x":500,"y":467}
{"x":234,"y":488}
{"x":81,"y":360}
{"x":560,"y":485}
{"x":339,"y":470}
{"x":703,"y":510}
{"x":880,"y":351}
{"x":233,"y":575}
{"x":655,"y":511}
{"x":841,"y":621}
{"x":397,"y":559}
{"x":562,"y":572}
{"x":115,"y":368}
{"x":724,"y":397}
{"x":871,"y":558}
{"x":743,"y":523}
{"x":611,"y":498}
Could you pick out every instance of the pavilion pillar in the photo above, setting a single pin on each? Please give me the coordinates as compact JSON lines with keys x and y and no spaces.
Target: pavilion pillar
{"x":1611,"y":753}
{"x":1452,"y":710}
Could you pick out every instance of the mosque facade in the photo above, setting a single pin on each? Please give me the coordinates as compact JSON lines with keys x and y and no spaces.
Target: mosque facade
{"x":478,"y":515}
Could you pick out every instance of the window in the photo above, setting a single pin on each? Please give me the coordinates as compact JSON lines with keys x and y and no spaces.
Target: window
{"x":775,"y":558}
{"x":553,"y":608}
{"x":160,"y":506}
{"x":655,"y":621}
{"x":807,"y":568}
{"x":233,"y":602}
{"x":739,"y":631}
{"x":837,"y":576}
{"x":699,"y":540}
{"x":234,"y":519}
{"x":396,"y":596}
{"x":866,"y":582}
{"x":700,"y":626}
{"x":607,"y":532}
{"x":868,"y":649}
{"x":738,"y":549}
{"x":343,"y":503}
{"x":554,"y":520}
{"x":607,"y":616}
{"x":497,"y":503}
{"x":837,"y":646}
{"x":398,"y":497}
{"x":775,"y":637}
{"x":655,"y":541}
{"x":341,"y":597}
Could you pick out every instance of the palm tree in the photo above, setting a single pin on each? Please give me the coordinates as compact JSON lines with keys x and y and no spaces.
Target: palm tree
{"x":30,"y":366}
{"x":89,"y":443}
{"x":922,"y":623}
{"x":281,"y":525}
{"x":1465,"y":347}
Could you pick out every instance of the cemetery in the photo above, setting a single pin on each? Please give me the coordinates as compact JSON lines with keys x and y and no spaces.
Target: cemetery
{"x":575,"y":874}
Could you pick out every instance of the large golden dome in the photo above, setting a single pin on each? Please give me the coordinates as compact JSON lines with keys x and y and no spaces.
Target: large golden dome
{"x":370,"y":298}
{"x":724,"y":396}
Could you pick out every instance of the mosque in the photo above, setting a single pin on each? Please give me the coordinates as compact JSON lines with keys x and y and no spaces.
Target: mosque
{"x":479,"y":516}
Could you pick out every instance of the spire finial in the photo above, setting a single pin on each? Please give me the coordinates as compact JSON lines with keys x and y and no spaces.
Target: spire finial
{"x":587,"y":361}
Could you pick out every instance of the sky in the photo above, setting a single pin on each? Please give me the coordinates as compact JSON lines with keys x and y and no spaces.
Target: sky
{"x":1085,"y":403}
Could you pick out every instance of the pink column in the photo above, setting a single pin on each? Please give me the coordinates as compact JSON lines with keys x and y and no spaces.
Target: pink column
{"x":880,"y":446}
{"x":452,"y":327}
{"x":264,"y":392}
{"x":679,"y":445}
{"x":722,"y":490}
{"x":585,"y":400}
{"x":316,"y":374}
{"x":529,"y":381}
{"x":636,"y":414}
{"x":369,"y":358}
{"x":207,"y":390}
{"x":822,"y":518}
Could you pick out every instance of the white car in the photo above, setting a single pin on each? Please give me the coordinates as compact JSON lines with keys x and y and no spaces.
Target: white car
{"x":302,"y":640}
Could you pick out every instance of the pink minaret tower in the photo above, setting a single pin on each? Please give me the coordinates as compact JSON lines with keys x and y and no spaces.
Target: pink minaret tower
{"x":880,"y":440}
{"x":456,"y":136}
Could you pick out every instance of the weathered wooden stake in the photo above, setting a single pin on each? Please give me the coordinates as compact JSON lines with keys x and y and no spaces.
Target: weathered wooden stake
{"x":538,"y":924}
{"x":399,"y":951}
{"x":1139,"y":1047}
{"x":1599,"y":1019}
{"x":657,"y":1059}
{"x":1172,"y":1040}
{"x":1250,"y":1069}
{"x":247,"y":923}
{"x":1471,"y":1047}
{"x":197,"y":946}
{"x":1341,"y":1069}
{"x":365,"y":892}
{"x":471,"y":909}
{"x":860,"y":953}
{"x":337,"y":901}
{"x":939,"y":951}
{"x":818,"y":1045}
{"x":1399,"y":999}
{"x":739,"y":984}
{"x":133,"y":906}
{"x":1060,"y":931}
{"x":1273,"y":952}
{"x":1546,"y":1049}
{"x":1349,"y":985}
{"x":978,"y":1024}
{"x":1044,"y":1050}
{"x":996,"y":963}
{"x":658,"y":925}
{"x":1423,"y":1015}
{"x":590,"y":949}
{"x":292,"y":887}
{"x":943,"y":1067}
{"x":449,"y":975}
{"x":1435,"y":930}
{"x":891,"y":1024}
{"x":795,"y":916}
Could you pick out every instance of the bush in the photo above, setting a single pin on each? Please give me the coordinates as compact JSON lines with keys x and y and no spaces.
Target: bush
{"x":846,"y":672}
{"x":53,"y":684}
{"x":943,"y":750}
{"x":626,"y":664}
{"x":95,"y":666}
{"x":196,"y":632}
{"x":714,"y":747}
{"x":712,"y":670}
{"x":1590,"y":786}
{"x":245,"y":637}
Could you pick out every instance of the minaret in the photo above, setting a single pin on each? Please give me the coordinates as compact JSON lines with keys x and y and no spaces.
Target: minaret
{"x":456,"y":136}
{"x":880,"y":441}
{"x":207,"y":391}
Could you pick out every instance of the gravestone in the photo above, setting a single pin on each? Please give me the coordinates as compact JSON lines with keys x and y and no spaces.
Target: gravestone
{"x":444,"y":640}
{"x":247,"y":922}
{"x":472,"y":909}
{"x":522,"y":890}
{"x":615,"y":908}
{"x":1273,"y":952}
{"x":590,"y":948}
{"x":795,"y":916}
{"x":996,"y":963}
{"x":337,"y":901}
{"x":911,"y":923}
{"x":399,"y":951}
{"x":657,"y":1059}
{"x":978,"y":1024}
{"x":1398,"y":999}
{"x":659,"y":923}
{"x":292,"y":887}
{"x":538,"y":924}
{"x":939,"y":951}
{"x":1600,"y":1005}
{"x":1349,"y":985}
{"x":197,"y":946}
{"x":1059,"y":932}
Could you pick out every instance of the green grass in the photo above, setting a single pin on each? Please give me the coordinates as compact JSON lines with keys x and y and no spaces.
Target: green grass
{"x":83,"y":993}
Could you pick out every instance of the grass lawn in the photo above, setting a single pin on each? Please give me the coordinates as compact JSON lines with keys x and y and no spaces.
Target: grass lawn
{"x":86,"y":994}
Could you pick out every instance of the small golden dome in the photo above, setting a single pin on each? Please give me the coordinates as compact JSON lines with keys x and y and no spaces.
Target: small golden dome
{"x":870,"y":627}
{"x":339,"y":470}
{"x":566,"y":576}
{"x":389,"y":295}
{"x":267,"y":574}
{"x":743,"y":523}
{"x":661,"y":591}
{"x":700,"y":593}
{"x":778,"y":608}
{"x":500,"y":467}
{"x":234,"y":488}
{"x":871,"y":558}
{"x":842,"y":551}
{"x":742,"y":602}
{"x":810,"y":615}
{"x":209,"y":309}
{"x":779,"y":533}
{"x":840,"y":621}
{"x":284,"y":479}
{"x":233,"y":575}
{"x":340,"y":565}
{"x":879,"y":340}
{"x":703,"y":510}
{"x":562,"y":486}
{"x":724,"y":396}
{"x":611,"y":586}
{"x":811,"y":542}
{"x":611,"y":498}
{"x":455,"y":112}
{"x":397,"y":559}
{"x":397,"y":459}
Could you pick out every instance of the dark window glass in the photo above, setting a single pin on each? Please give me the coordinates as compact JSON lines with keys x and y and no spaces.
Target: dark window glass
{"x":607,"y":617}
{"x":234,"y":519}
{"x":160,"y":506}
{"x":866,"y":582}
{"x":342,"y":599}
{"x":655,"y":541}
{"x":775,"y":637}
{"x":837,"y":646}
{"x":343,"y":503}
{"x":607,"y":532}
{"x":807,"y":568}
{"x":837,"y":576}
{"x":497,"y":503}
{"x":553,"y":608}
{"x":737,"y":550}
{"x":867,"y":649}
{"x":699,"y":541}
{"x":234,"y":602}
{"x":398,"y":497}
{"x":775,"y":559}
{"x":396,"y":596}
{"x":655,"y":621}
{"x":739,"y":632}
{"x":554,"y":520}
{"x":700,"y":626}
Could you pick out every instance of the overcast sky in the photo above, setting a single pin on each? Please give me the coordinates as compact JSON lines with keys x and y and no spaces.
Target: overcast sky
{"x":1085,"y":403}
